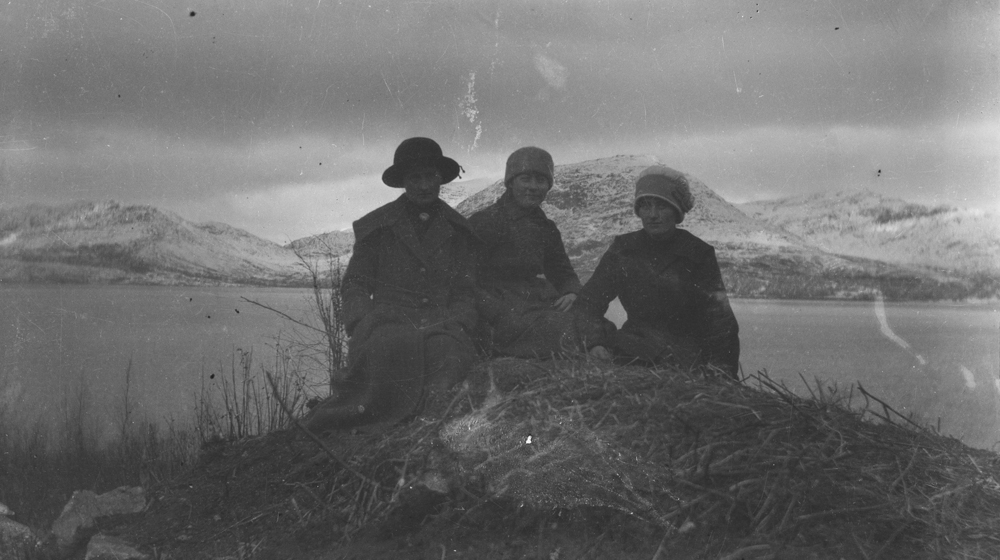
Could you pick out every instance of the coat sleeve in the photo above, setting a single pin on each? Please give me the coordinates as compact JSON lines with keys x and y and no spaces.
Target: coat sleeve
{"x":557,"y":266}
{"x":488,"y":230}
{"x":358,"y":282}
{"x":720,"y":332}
{"x":462,"y":306}
{"x":596,"y":295}
{"x":603,"y":286}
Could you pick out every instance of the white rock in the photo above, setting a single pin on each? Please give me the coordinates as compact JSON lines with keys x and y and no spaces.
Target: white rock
{"x":103,"y":547}
{"x":85,"y":507}
{"x":17,"y":542}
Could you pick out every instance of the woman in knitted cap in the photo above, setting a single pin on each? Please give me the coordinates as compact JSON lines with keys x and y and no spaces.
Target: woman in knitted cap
{"x":521,"y":313}
{"x":669,"y":283}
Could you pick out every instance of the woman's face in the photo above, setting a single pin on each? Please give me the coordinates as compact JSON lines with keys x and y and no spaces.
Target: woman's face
{"x":422,"y":184}
{"x":529,"y":189}
{"x":659,"y":218}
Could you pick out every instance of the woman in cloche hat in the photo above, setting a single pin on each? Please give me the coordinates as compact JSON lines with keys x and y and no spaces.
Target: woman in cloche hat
{"x":669,"y":283}
{"x":526,"y":282}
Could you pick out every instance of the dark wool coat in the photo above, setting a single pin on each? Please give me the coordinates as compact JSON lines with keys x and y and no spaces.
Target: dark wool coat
{"x":514,"y":303}
{"x":409,"y":304}
{"x":676,"y":302}
{"x":518,"y":245}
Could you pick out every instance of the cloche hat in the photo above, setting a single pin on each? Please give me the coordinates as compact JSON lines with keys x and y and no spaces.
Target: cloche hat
{"x":529,"y":159}
{"x":667,"y":184}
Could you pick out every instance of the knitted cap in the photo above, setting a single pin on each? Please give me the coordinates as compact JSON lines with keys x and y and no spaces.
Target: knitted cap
{"x":529,"y":159}
{"x":666,"y":184}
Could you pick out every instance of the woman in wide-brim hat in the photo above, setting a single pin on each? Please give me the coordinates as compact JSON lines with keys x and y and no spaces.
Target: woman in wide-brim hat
{"x":408,"y":299}
{"x":417,"y":152}
{"x":669,"y":283}
{"x":526,"y":281}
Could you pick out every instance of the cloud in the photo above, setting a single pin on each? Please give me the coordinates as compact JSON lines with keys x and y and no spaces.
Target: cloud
{"x":935,"y":164}
{"x":100,"y":162}
{"x":139,"y":102}
{"x":941,"y":163}
{"x":235,"y":73}
{"x":283,"y":213}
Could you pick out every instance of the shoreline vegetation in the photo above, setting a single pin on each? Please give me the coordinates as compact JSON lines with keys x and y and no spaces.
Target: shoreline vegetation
{"x":550,"y":459}
{"x":44,"y":460}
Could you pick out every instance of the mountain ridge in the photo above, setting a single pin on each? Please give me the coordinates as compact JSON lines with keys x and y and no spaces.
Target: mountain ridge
{"x":591,"y":203}
{"x":786,"y":248}
{"x":865,"y":224}
{"x":111,"y":242}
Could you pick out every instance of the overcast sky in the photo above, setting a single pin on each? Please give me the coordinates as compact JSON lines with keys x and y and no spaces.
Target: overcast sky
{"x":280,"y":116}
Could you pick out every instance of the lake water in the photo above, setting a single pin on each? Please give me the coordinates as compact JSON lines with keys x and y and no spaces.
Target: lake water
{"x":52,"y":338}
{"x":935,"y":360}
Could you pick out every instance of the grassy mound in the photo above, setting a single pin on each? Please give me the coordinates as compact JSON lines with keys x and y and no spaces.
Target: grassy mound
{"x":577,"y":459}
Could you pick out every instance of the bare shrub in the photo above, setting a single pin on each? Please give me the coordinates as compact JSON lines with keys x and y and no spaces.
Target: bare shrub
{"x":239,"y":403}
{"x":319,"y":343}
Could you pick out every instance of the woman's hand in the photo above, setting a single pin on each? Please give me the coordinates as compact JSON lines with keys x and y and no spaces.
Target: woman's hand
{"x":564,"y":303}
{"x":601,"y":353}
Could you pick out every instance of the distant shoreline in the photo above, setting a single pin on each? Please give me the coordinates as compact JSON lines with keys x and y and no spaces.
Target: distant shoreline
{"x":210,"y":283}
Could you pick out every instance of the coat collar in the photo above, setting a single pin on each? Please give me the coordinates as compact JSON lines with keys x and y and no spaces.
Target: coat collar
{"x":424,"y":247}
{"x":661,"y":254}
{"x":394,"y":216}
{"x":387,"y":215}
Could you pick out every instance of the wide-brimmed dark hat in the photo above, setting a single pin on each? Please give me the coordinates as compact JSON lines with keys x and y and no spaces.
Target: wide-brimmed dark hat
{"x":419,"y":152}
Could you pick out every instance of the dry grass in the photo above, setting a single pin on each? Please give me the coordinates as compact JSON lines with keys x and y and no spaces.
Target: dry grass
{"x":237,"y":402}
{"x":708,"y":464}
{"x":772,"y":466}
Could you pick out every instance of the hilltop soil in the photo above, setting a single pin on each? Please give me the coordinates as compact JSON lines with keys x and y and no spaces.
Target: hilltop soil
{"x":617,"y":463}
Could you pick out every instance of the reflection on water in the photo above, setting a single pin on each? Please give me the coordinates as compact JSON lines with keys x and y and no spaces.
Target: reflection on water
{"x":936,"y":361}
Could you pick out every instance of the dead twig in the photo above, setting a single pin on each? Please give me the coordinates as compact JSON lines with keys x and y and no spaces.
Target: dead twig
{"x":888,"y":409}
{"x":746,"y":552}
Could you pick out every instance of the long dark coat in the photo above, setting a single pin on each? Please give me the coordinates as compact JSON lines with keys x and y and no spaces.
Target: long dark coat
{"x":519,"y":247}
{"x":673,"y":293}
{"x":409,"y":304}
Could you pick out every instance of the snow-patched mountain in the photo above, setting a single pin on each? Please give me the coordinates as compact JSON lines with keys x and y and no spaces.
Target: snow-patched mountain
{"x":455,"y":192}
{"x":322,"y":246}
{"x":864,"y":224}
{"x":108,"y":241}
{"x":850,"y":248}
{"x":317,"y":248}
{"x":591,"y":202}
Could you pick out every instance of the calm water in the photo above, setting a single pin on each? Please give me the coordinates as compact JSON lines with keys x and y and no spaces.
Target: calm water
{"x":933,"y":360}
{"x":54,"y":337}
